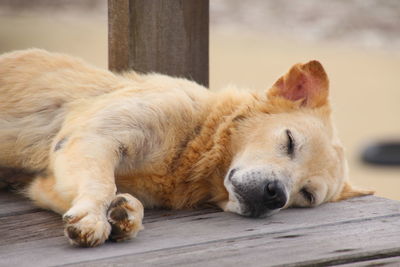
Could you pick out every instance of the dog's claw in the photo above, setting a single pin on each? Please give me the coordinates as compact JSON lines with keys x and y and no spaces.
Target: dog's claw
{"x":86,"y":229}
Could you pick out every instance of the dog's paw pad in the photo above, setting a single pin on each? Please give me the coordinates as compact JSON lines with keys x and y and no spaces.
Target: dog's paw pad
{"x":125,"y":215}
{"x":72,"y":232}
{"x":118,"y":214}
{"x":86,"y":231}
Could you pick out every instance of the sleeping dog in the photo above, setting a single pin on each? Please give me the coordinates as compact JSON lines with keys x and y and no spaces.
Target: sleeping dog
{"x":85,"y":134}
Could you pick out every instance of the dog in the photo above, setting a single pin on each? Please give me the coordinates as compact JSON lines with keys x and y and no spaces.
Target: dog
{"x":85,"y":134}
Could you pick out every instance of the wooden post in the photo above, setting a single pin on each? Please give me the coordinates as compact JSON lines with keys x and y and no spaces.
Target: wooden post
{"x":165,"y":36}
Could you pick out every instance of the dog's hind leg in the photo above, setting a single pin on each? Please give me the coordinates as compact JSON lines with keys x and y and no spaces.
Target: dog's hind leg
{"x":42,"y":191}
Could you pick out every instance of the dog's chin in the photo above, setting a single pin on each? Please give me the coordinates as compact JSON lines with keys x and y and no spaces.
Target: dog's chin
{"x":252,"y":213}
{"x":246,"y":211}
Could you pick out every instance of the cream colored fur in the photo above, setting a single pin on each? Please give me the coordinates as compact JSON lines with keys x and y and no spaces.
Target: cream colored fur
{"x":86,"y":133}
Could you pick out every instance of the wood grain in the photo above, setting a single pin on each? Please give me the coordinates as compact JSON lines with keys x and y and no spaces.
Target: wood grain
{"x":328,"y":245}
{"x":118,"y":35}
{"x":165,"y":36}
{"x":360,"y":229}
{"x":386,"y":262}
{"x":12,"y":204}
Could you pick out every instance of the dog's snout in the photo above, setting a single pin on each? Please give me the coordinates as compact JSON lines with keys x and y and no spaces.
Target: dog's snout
{"x":274,"y":195}
{"x":270,"y":190}
{"x":231,"y":173}
{"x":257,"y":192}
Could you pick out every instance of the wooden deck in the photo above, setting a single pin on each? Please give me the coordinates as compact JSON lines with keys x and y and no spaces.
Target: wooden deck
{"x":356,"y":232}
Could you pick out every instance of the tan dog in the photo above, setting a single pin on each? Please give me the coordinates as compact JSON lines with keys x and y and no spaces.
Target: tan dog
{"x":166,"y":142}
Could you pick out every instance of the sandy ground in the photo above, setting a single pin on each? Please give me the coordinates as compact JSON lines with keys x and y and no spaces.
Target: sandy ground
{"x":365,"y":83}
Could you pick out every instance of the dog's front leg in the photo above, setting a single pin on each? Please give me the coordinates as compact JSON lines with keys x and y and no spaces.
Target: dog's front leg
{"x":84,"y":175}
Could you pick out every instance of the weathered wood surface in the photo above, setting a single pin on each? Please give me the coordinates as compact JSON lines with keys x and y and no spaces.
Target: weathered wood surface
{"x":386,"y":262}
{"x":359,"y":231}
{"x":166,"y":36}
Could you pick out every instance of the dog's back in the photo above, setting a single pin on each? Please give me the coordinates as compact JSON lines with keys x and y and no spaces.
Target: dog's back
{"x":36,"y":88}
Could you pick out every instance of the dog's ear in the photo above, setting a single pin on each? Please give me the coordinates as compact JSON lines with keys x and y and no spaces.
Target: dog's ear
{"x":306,"y":84}
{"x":349,"y":191}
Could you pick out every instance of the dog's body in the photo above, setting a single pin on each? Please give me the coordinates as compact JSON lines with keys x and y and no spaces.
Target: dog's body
{"x":84,"y":132}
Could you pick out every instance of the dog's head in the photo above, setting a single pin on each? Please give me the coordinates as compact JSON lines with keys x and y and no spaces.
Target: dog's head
{"x":290,"y":154}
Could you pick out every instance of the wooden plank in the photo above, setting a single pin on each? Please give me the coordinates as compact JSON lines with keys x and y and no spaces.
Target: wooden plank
{"x":165,"y":36}
{"x":161,"y":221}
{"x":172,"y":232}
{"x":387,"y":262}
{"x":13,"y":204}
{"x":327,"y":245}
{"x":32,"y":226}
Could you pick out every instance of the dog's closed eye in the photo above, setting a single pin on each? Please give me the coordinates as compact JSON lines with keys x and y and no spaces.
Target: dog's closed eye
{"x":290,"y":145}
{"x":307,"y":195}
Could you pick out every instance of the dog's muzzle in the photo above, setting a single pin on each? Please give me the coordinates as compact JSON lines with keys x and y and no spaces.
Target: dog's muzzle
{"x":257,"y":195}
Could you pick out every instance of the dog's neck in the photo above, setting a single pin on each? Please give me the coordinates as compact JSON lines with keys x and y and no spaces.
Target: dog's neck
{"x":200,"y":169}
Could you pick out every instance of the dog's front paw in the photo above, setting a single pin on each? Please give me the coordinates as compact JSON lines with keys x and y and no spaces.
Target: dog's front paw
{"x":125,"y":215}
{"x":86,"y":229}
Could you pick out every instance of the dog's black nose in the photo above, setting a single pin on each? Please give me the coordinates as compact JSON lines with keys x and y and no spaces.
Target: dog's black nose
{"x":274,"y":195}
{"x":260,"y":197}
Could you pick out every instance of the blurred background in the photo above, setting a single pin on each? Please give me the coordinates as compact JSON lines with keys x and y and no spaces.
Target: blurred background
{"x":252,"y":44}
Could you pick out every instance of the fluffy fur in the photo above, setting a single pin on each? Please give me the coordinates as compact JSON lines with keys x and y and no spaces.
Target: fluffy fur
{"x":82,"y":132}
